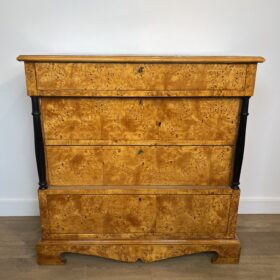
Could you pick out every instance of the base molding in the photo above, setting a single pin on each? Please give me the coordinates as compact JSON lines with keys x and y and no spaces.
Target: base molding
{"x":50,"y":252}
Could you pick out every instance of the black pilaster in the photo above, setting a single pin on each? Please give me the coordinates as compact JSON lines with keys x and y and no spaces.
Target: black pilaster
{"x":39,"y":145}
{"x":240,"y":143}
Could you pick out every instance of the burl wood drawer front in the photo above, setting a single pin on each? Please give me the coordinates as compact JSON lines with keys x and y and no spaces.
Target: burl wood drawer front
{"x":108,"y":120}
{"x":139,"y":165}
{"x":191,"y":215}
{"x":101,"y":213}
{"x":135,"y":76}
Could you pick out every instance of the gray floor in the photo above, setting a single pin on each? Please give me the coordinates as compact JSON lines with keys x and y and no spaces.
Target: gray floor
{"x":260,"y":256}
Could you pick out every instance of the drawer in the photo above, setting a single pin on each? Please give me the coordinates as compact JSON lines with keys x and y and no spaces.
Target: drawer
{"x":108,"y":120}
{"x":140,"y":77}
{"x":192,"y":214}
{"x":101,"y":213}
{"x":159,"y":215}
{"x":139,"y":165}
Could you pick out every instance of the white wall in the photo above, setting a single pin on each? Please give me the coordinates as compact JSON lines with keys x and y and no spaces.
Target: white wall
{"x":186,"y":27}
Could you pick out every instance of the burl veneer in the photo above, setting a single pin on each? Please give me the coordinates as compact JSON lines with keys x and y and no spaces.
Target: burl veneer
{"x":139,"y":157}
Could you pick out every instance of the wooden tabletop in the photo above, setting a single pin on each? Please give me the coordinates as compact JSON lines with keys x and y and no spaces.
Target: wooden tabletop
{"x":141,"y":59}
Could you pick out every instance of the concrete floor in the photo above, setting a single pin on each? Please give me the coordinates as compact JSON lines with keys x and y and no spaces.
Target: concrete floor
{"x":260,"y":257}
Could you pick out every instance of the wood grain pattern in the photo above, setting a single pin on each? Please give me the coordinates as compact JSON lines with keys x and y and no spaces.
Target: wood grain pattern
{"x":193,"y":215}
{"x":115,"y":76}
{"x":250,"y":79}
{"x":31,"y":83}
{"x":147,"y":213}
{"x":139,"y":165}
{"x":143,"y":93}
{"x":44,"y":216}
{"x":232,"y":222}
{"x":142,"y":59}
{"x":139,"y":154}
{"x":227,"y":251}
{"x":259,"y":258}
{"x":115,"y":120}
{"x":103,"y":214}
{"x":102,"y":190}
{"x":221,"y":164}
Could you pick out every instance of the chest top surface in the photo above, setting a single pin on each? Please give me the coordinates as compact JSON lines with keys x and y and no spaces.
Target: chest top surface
{"x":147,"y":59}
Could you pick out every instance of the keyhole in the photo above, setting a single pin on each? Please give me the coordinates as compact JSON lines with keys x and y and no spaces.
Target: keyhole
{"x":140,"y":69}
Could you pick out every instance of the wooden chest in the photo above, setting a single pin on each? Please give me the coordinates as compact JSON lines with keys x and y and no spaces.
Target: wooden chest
{"x":139,"y":157}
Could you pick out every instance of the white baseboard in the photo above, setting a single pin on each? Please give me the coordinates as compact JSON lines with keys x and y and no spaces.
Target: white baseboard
{"x":259,"y":205}
{"x":248,"y":205}
{"x":19,"y":207}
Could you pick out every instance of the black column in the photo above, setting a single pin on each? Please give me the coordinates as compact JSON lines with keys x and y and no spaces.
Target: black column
{"x":240,"y":143}
{"x":39,"y":145}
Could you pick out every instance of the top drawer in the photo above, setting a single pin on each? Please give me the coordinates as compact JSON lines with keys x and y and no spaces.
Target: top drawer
{"x":139,"y":79}
{"x":116,"y":76}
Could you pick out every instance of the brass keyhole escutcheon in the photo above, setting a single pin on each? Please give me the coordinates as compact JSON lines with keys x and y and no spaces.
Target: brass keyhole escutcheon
{"x":158,"y":123}
{"x":141,"y":70}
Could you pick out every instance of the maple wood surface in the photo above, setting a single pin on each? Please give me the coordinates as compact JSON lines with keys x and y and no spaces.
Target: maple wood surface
{"x":139,"y":154}
{"x":146,"y":80}
{"x":150,"y":120}
{"x":259,"y":236}
{"x":161,"y":59}
{"x":139,"y":165}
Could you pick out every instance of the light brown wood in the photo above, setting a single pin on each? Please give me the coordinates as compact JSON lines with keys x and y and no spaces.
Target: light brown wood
{"x":232,"y":220}
{"x":192,"y":215}
{"x":136,"y":214}
{"x":140,"y":80}
{"x":43,"y":205}
{"x":150,"y":120}
{"x":139,"y":165}
{"x":250,"y":79}
{"x":80,"y":213}
{"x":98,"y":190}
{"x":126,"y":59}
{"x":101,"y":214}
{"x":31,"y":83}
{"x":259,"y":236}
{"x":116,"y":76}
{"x":143,"y":93}
{"x":227,"y":251}
{"x":139,"y":154}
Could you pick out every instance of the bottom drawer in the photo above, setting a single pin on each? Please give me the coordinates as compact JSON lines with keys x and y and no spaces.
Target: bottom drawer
{"x":136,"y":215}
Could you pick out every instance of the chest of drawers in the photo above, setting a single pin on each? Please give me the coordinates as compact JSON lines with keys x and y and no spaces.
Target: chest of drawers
{"x":139,"y":157}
